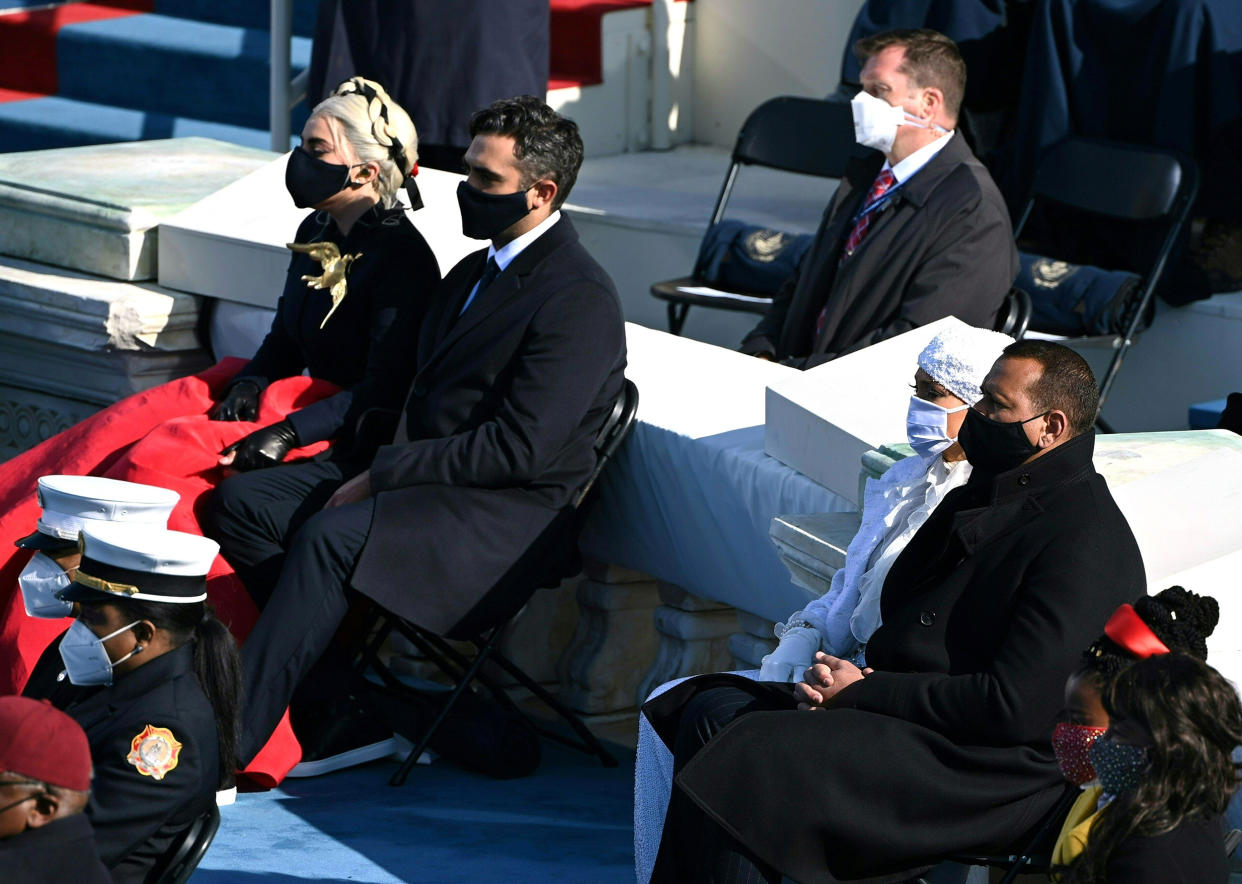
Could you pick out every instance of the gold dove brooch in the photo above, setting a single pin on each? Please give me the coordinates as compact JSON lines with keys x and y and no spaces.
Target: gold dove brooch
{"x":335,"y":267}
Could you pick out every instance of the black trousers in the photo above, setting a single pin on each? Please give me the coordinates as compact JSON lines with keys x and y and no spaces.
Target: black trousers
{"x":694,"y":848}
{"x":296,"y":560}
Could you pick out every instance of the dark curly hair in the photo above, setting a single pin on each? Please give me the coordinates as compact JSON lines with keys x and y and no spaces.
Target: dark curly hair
{"x":1194,"y":718}
{"x":545,"y":144}
{"x":1180,"y":618}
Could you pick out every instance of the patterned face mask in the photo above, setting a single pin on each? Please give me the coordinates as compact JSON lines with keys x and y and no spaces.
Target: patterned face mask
{"x":1119,"y":766}
{"x":1072,"y":745}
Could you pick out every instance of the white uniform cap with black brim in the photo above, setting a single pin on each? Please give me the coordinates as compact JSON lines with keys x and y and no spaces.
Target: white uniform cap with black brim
{"x":144,"y":563}
{"x":70,"y":503}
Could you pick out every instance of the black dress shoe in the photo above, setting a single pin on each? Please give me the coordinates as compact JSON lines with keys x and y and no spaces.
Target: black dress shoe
{"x":340,"y":736}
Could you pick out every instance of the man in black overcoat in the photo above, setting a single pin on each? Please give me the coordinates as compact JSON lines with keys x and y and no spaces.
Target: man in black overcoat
{"x":944,"y":744}
{"x":914,"y":233}
{"x":518,"y":363}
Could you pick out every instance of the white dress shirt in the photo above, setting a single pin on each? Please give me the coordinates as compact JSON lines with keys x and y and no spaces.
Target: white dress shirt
{"x":505,"y":254}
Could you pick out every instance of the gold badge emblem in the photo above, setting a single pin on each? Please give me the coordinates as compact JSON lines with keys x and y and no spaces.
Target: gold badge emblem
{"x":1048,"y":274}
{"x":154,"y":752}
{"x":765,"y":245}
{"x":334,"y":264}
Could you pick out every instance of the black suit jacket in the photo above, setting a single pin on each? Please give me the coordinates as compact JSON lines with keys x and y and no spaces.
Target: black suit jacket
{"x":945,"y":748}
{"x":942,"y":246}
{"x":498,"y":429}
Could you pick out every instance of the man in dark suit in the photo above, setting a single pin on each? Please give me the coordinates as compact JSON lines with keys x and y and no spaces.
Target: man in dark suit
{"x":914,"y":233}
{"x":519,"y":361}
{"x":944,"y":744}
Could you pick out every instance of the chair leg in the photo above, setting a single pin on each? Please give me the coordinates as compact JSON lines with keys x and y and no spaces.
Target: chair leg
{"x":463,"y":684}
{"x":445,"y":654}
{"x":677,"y":316}
{"x":590,"y":743}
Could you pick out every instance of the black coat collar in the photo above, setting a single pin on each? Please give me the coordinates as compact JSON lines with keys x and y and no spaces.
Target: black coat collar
{"x":861,"y":172}
{"x":1061,"y":464}
{"x":96,"y":706}
{"x":508,"y":284}
{"x":1005,"y":501}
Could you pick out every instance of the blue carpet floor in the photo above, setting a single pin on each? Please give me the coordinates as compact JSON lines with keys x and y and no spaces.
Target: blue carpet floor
{"x":570,"y":821}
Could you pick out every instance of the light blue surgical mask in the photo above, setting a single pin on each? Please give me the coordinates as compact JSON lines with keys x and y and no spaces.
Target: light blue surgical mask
{"x":927,"y":427}
{"x":85,"y":657}
{"x":41,"y":582}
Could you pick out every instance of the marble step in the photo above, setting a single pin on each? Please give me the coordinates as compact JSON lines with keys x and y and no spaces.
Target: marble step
{"x":99,"y":212}
{"x":73,"y":338}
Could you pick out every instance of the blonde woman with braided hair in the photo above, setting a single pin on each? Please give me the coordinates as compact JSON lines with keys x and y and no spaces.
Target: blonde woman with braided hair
{"x":358,"y":265}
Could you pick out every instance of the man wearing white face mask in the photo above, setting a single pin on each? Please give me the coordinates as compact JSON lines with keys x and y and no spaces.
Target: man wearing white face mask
{"x":914,"y":233}
{"x":895,"y":506}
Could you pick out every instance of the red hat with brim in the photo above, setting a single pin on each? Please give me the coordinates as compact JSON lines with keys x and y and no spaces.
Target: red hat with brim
{"x":39,"y":741}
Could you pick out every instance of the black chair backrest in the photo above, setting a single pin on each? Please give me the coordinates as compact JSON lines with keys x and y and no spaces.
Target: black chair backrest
{"x":1130,"y":182}
{"x":187,"y":851}
{"x":809,"y":136}
{"x":1015,"y":314}
{"x":612,"y":434}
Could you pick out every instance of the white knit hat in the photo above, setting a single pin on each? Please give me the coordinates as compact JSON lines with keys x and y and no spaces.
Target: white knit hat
{"x":960,"y":357}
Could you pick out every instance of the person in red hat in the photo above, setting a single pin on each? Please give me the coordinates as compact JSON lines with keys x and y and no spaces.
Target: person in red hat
{"x":45,"y":781}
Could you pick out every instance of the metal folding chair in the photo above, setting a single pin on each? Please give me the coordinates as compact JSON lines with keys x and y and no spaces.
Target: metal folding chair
{"x":1119,"y":182}
{"x":553,"y":557}
{"x":806,"y":136}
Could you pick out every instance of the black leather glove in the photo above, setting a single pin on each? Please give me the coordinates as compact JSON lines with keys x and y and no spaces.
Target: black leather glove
{"x":263,"y":448}
{"x":240,"y":403}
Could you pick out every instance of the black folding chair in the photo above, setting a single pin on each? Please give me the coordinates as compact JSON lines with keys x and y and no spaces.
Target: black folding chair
{"x":553,"y":557}
{"x":1015,"y":314}
{"x":807,"y":136}
{"x":187,"y":851}
{"x":1120,"y":182}
{"x":1036,"y":853}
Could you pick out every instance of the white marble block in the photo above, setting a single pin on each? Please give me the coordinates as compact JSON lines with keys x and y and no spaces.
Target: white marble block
{"x":231,"y":244}
{"x":97,"y":208}
{"x":822,"y":421}
{"x":813,"y":546}
{"x":90,"y":339}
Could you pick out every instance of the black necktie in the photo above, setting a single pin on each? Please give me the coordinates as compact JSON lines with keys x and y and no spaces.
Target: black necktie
{"x":490,"y":272}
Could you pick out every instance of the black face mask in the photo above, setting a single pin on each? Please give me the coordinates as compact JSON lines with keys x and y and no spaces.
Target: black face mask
{"x":487,"y":215}
{"x":310,"y":181}
{"x":994,"y":446}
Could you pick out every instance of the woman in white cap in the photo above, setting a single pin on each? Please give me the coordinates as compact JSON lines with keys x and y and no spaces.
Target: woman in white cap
{"x":946,"y":383}
{"x":161,"y":714}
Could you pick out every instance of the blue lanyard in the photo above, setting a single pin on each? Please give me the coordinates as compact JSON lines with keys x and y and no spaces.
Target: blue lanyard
{"x":878,"y":203}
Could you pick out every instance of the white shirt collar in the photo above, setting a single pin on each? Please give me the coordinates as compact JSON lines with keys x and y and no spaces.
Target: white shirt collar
{"x":505,"y":254}
{"x":918,"y":159}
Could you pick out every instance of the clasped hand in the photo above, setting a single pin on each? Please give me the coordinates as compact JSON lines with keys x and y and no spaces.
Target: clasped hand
{"x":825,"y":679}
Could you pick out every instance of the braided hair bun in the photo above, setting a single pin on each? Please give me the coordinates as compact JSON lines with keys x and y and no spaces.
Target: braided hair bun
{"x":1181,"y":619}
{"x":378,"y":129}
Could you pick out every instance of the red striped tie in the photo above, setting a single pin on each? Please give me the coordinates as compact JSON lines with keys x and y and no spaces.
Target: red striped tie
{"x":879,"y":187}
{"x":883,"y":182}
